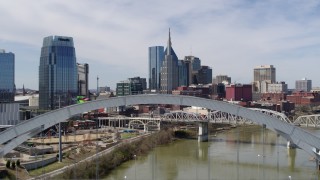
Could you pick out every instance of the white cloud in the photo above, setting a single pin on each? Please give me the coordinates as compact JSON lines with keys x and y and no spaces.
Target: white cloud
{"x":113,"y":36}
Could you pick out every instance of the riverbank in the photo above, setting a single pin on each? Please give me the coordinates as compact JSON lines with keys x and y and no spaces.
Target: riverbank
{"x":237,"y":153}
{"x":123,"y":153}
{"x":128,"y":151}
{"x":192,"y":132}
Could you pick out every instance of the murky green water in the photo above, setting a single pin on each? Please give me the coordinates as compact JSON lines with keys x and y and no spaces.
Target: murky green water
{"x":260,"y":154}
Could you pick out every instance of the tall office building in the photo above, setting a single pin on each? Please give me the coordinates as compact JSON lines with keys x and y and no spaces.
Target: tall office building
{"x":156,"y":56}
{"x":83,"y":79}
{"x":169,"y":70}
{"x":194,"y":67}
{"x":195,"y":62}
{"x":304,"y":85}
{"x":9,"y":111}
{"x":58,"y":74}
{"x":262,"y":76}
{"x":183,"y":73}
{"x":7,"y":86}
{"x":204,"y":75}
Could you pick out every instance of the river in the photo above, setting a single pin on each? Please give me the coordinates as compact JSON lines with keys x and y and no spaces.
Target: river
{"x":247,"y":152}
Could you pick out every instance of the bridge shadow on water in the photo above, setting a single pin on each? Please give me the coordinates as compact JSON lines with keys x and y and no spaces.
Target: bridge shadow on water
{"x":245,"y":142}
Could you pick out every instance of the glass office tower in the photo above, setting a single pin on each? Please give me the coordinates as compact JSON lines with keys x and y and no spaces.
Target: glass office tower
{"x":156,"y":56}
{"x":57,"y":73}
{"x":7,"y":86}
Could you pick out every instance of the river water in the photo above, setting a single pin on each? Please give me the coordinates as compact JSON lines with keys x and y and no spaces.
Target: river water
{"x":248,"y":152}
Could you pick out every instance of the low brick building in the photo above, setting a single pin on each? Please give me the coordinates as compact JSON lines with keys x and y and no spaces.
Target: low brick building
{"x":304,"y":98}
{"x":239,"y":92}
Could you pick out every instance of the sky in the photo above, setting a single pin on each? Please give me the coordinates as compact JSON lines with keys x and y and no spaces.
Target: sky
{"x":113,"y":36}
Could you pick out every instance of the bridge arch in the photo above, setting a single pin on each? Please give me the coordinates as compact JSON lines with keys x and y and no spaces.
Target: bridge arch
{"x":135,"y":122}
{"x":15,"y":135}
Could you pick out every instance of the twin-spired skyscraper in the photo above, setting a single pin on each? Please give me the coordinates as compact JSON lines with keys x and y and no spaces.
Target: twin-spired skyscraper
{"x":169,"y":70}
{"x":58,"y":76}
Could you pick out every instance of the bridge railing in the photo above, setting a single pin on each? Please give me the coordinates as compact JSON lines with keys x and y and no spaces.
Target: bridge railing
{"x":308,"y":120}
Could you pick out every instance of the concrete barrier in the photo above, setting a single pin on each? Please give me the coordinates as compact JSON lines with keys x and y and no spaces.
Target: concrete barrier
{"x":39,"y":163}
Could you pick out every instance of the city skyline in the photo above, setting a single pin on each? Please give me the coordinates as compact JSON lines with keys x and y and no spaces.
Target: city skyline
{"x":232,"y":37}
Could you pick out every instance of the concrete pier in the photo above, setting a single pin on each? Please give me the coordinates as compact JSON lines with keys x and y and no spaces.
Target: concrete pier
{"x":291,"y":145}
{"x":203,"y":132}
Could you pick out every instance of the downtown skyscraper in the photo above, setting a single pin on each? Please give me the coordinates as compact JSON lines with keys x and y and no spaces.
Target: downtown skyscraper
{"x":58,"y":78}
{"x":9,"y":111}
{"x":262,"y":76}
{"x":156,"y":57}
{"x":7,"y":85}
{"x":169,"y":70}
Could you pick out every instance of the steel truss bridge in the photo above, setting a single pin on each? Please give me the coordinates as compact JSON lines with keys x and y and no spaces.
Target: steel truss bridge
{"x":183,"y":116}
{"x":219,"y":117}
{"x":308,"y":120}
{"x":14,"y":136}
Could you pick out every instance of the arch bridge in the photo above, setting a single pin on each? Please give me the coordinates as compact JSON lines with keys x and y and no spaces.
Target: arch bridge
{"x":14,"y":136}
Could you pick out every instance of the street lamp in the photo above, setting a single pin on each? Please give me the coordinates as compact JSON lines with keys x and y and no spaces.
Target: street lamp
{"x":258,"y":165}
{"x":135,"y":167}
{"x":16,"y":167}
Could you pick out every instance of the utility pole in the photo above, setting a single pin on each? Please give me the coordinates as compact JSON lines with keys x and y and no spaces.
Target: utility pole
{"x":97,"y":85}
{"x":97,"y":151}
{"x":60,"y":143}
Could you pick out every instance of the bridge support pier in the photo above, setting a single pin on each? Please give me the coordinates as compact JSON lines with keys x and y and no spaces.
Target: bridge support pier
{"x":203,"y":132}
{"x":317,"y":158}
{"x":317,"y":164}
{"x":291,"y":145}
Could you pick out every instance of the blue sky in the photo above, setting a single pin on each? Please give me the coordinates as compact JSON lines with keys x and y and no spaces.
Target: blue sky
{"x":230,"y":36}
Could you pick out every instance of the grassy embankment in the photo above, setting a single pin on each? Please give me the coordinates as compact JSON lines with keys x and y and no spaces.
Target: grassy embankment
{"x":125,"y":152}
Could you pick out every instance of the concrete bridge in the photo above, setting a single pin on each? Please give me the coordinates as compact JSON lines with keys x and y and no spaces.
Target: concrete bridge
{"x":16,"y":135}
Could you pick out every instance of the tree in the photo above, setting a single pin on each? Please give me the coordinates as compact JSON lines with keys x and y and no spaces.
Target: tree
{"x":18,"y":163}
{"x":13,"y":165}
{"x":8,"y":164}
